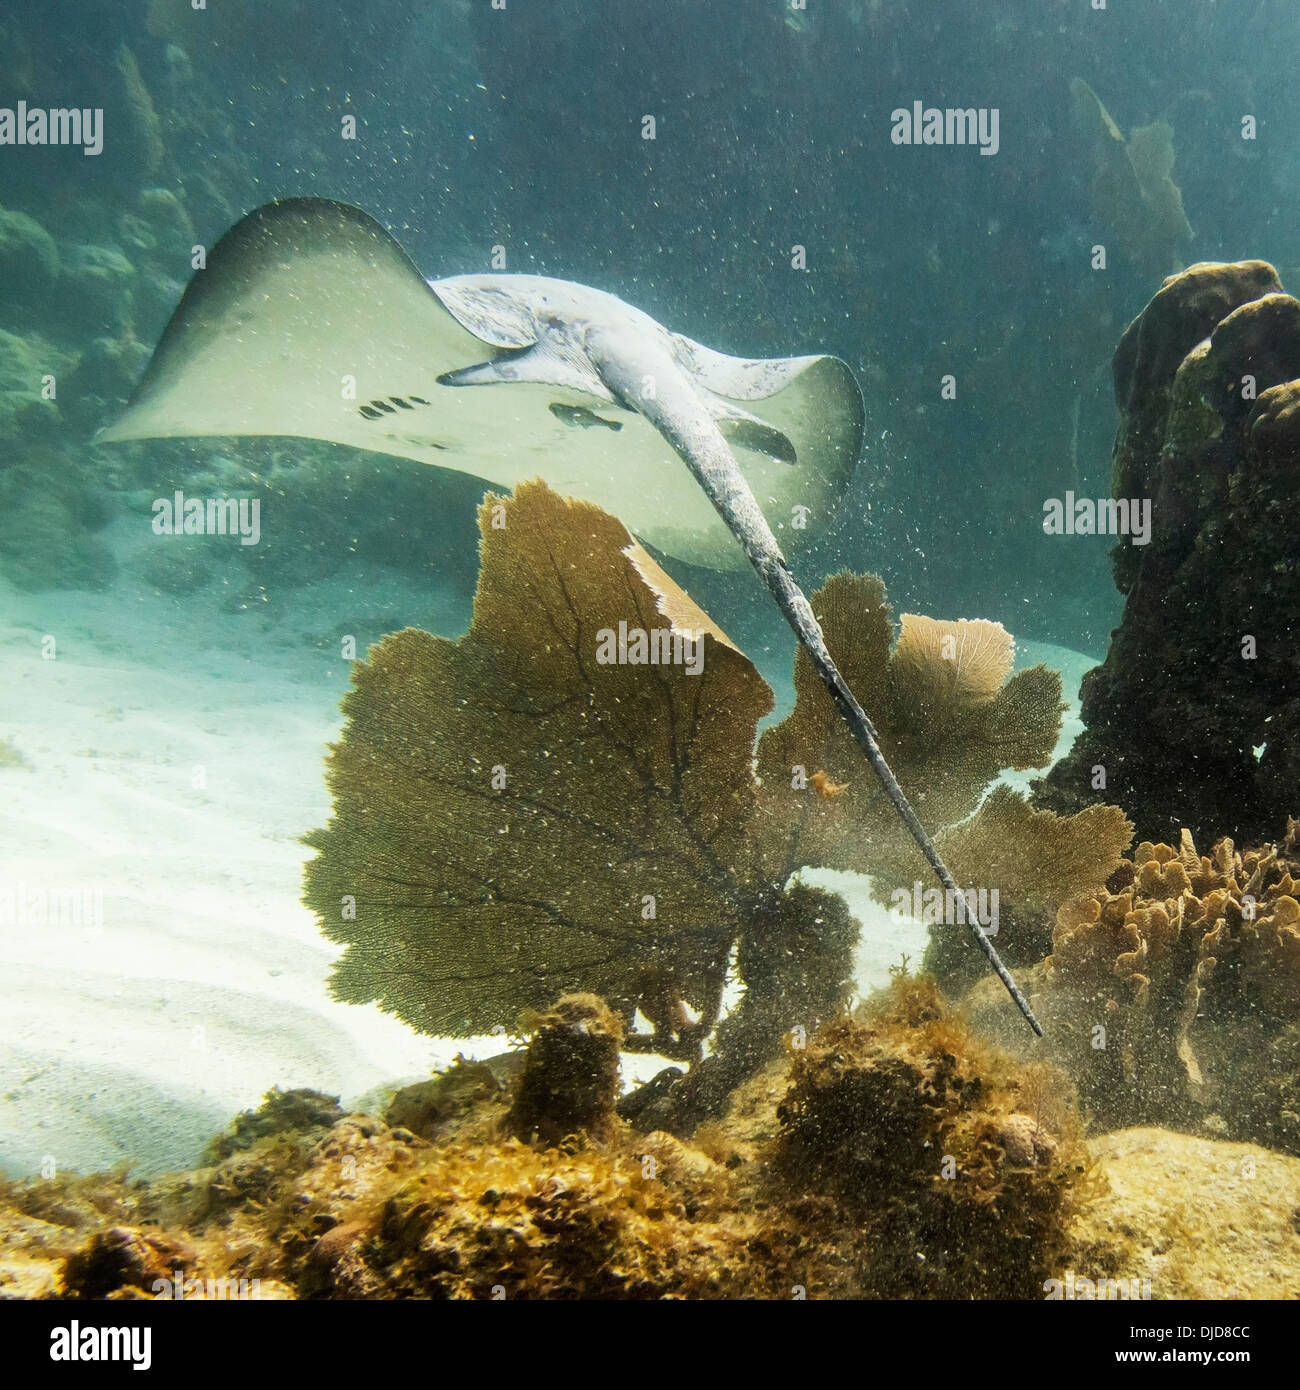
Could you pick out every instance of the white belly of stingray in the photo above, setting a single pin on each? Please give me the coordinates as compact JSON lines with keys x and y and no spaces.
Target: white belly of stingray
{"x":310,"y":320}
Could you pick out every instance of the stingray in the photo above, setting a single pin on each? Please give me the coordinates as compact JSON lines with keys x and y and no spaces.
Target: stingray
{"x":310,"y":320}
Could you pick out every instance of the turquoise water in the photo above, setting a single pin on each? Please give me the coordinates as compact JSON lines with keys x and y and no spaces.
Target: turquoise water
{"x":964,"y":205}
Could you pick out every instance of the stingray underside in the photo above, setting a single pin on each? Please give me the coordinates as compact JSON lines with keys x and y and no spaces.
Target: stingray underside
{"x":310,"y":320}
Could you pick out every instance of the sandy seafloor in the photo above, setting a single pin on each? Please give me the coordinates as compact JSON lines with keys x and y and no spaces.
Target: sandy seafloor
{"x":205,"y":985}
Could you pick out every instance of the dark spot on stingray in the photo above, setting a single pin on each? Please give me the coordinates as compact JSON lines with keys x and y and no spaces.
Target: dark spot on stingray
{"x":419,"y":400}
{"x":763,"y":439}
{"x":370,"y":412}
{"x":397,"y":400}
{"x":383,"y":405}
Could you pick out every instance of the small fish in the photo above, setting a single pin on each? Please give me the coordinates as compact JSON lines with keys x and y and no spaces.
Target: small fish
{"x":823,"y":785}
{"x":580,"y":415}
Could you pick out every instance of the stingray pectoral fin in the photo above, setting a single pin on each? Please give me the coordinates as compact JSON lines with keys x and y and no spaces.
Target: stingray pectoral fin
{"x":798,"y":446}
{"x":813,"y":401}
{"x":310,"y":320}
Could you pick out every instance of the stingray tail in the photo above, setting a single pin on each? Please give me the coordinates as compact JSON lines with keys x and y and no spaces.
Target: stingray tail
{"x":798,"y":612}
{"x":714,"y":466}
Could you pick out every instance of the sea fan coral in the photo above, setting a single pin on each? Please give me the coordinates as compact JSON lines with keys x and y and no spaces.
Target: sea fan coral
{"x":950,"y":717}
{"x":579,"y":824}
{"x":941,"y":667}
{"x":565,"y":800}
{"x":947,"y":732}
{"x":1037,"y":861}
{"x":1134,"y":196}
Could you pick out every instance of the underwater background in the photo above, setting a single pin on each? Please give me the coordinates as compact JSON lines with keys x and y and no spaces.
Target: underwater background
{"x":167,"y":702}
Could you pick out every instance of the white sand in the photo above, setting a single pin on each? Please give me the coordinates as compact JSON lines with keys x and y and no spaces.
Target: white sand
{"x":174,"y":766}
{"x":205,"y":982}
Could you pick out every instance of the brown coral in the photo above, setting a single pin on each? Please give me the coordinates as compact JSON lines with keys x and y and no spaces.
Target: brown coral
{"x":1181,"y":314}
{"x":577,"y":825}
{"x":123,"y":1262}
{"x":1166,"y":995}
{"x":948,"y":724}
{"x":950,"y":717}
{"x":957,"y":1166}
{"x":1273,"y":437}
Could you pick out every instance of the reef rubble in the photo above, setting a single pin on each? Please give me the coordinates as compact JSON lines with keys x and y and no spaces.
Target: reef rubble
{"x":894,"y":1154}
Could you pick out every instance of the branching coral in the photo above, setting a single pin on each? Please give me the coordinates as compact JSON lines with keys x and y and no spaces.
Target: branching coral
{"x":1175,"y":994}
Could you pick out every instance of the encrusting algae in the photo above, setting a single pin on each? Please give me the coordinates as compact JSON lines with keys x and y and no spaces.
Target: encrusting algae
{"x":895,"y":1154}
{"x":954,"y":1170}
{"x":849,"y":1185}
{"x":569,"y":1083}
